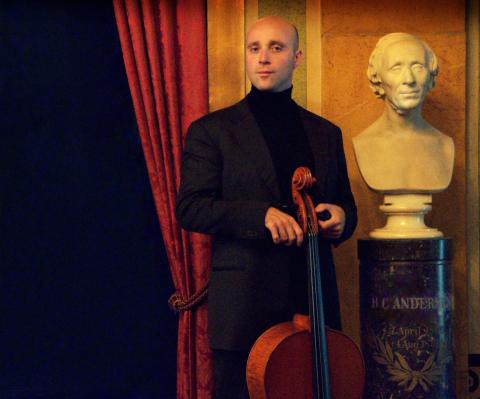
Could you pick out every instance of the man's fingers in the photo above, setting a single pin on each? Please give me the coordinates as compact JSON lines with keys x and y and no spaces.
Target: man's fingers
{"x":333,"y":227}
{"x":273,"y":231}
{"x":328,"y":224}
{"x":277,"y":230}
{"x":298,"y":233}
{"x":294,"y":233}
{"x":321,"y":207}
{"x":288,"y":234}
{"x":282,"y":230}
{"x":333,"y":231}
{"x":285,"y":233}
{"x":283,"y":227}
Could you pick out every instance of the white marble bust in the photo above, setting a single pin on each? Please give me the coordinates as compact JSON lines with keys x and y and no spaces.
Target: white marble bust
{"x":401,"y":153}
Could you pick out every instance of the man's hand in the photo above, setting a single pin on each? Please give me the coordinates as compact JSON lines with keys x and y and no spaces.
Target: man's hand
{"x":333,"y":227}
{"x":283,"y":228}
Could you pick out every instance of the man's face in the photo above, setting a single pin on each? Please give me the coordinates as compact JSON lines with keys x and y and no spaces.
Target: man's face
{"x":405,"y":75}
{"x":271,"y":55}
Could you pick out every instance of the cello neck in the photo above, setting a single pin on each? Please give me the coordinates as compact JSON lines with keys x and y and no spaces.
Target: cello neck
{"x":302,"y":180}
{"x":321,"y":377}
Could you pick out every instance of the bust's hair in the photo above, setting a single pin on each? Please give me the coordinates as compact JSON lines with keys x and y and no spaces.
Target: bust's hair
{"x":377,"y":54}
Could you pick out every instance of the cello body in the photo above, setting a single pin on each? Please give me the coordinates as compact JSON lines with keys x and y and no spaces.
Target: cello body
{"x":304,"y":359}
{"x":280,"y":363}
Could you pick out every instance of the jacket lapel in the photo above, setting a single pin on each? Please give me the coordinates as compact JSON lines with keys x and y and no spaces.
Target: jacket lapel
{"x":251,"y":142}
{"x":320,"y":150}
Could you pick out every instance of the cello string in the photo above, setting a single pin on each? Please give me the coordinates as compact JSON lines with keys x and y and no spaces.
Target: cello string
{"x":321,"y":326}
{"x":317,"y":370}
{"x":321,"y":322}
{"x":318,"y":320}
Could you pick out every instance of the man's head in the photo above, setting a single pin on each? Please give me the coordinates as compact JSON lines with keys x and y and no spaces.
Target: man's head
{"x":402,"y":69}
{"x":272,"y":53}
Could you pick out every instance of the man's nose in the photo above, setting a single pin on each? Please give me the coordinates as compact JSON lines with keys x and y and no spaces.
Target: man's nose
{"x":264,"y":57}
{"x":408,"y":77}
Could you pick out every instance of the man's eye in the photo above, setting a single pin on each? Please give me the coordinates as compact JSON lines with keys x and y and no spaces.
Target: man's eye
{"x":253,"y":49}
{"x":419,"y":67}
{"x":396,"y":68}
{"x":276,"y":49}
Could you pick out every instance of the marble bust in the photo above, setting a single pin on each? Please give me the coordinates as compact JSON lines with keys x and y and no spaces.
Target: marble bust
{"x":401,"y":153}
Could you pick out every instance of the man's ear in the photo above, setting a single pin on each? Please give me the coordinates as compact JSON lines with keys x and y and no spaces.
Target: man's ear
{"x":298,"y":58}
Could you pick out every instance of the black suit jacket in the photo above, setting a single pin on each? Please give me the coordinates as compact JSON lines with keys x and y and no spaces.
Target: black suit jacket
{"x":228,"y":182}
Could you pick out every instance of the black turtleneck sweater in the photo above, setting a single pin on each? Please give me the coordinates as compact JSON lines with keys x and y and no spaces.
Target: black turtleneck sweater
{"x":278,"y":117}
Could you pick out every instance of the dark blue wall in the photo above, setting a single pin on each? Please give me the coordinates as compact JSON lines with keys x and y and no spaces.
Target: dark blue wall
{"x":84,"y":279}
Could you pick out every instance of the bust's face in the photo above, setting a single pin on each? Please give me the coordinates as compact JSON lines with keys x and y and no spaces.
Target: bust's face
{"x":405,"y":75}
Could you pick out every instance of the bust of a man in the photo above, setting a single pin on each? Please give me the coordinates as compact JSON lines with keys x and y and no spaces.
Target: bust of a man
{"x":401,"y":153}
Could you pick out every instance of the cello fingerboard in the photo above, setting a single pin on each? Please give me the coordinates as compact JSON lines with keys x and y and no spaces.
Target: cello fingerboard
{"x":321,"y":377}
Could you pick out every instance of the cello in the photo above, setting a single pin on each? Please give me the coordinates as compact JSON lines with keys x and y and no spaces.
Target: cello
{"x":304,"y":359}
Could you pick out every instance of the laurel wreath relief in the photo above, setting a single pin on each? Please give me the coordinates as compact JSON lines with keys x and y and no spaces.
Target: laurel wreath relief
{"x":401,"y":372}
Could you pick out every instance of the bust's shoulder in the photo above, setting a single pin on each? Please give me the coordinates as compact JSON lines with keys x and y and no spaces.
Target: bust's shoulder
{"x":371,"y":134}
{"x":439,"y":136}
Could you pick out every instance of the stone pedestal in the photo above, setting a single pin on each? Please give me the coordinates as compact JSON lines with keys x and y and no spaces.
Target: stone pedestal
{"x":407,"y":318}
{"x":405,"y":217}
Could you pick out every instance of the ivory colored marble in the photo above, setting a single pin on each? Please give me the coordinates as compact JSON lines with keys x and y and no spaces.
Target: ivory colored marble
{"x":401,"y":152}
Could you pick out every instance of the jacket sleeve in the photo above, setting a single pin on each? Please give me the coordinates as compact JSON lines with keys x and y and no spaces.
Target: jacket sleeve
{"x":344,"y":197}
{"x":200,"y":206}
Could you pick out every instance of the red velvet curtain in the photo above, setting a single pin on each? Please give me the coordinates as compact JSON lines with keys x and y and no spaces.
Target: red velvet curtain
{"x":164,"y":47}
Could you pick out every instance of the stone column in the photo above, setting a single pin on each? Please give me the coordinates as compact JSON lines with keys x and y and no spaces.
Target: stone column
{"x":407,"y":318}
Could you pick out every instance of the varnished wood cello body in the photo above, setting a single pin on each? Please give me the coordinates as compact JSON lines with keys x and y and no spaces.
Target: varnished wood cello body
{"x":303,"y":359}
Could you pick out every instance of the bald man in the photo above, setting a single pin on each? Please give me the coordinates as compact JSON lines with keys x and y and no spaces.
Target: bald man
{"x":235,"y":185}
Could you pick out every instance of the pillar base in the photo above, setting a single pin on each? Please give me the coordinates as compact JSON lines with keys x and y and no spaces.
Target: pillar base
{"x":405,"y":217}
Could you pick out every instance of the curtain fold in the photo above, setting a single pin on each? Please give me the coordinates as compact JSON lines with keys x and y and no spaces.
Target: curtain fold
{"x":164,"y":48}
